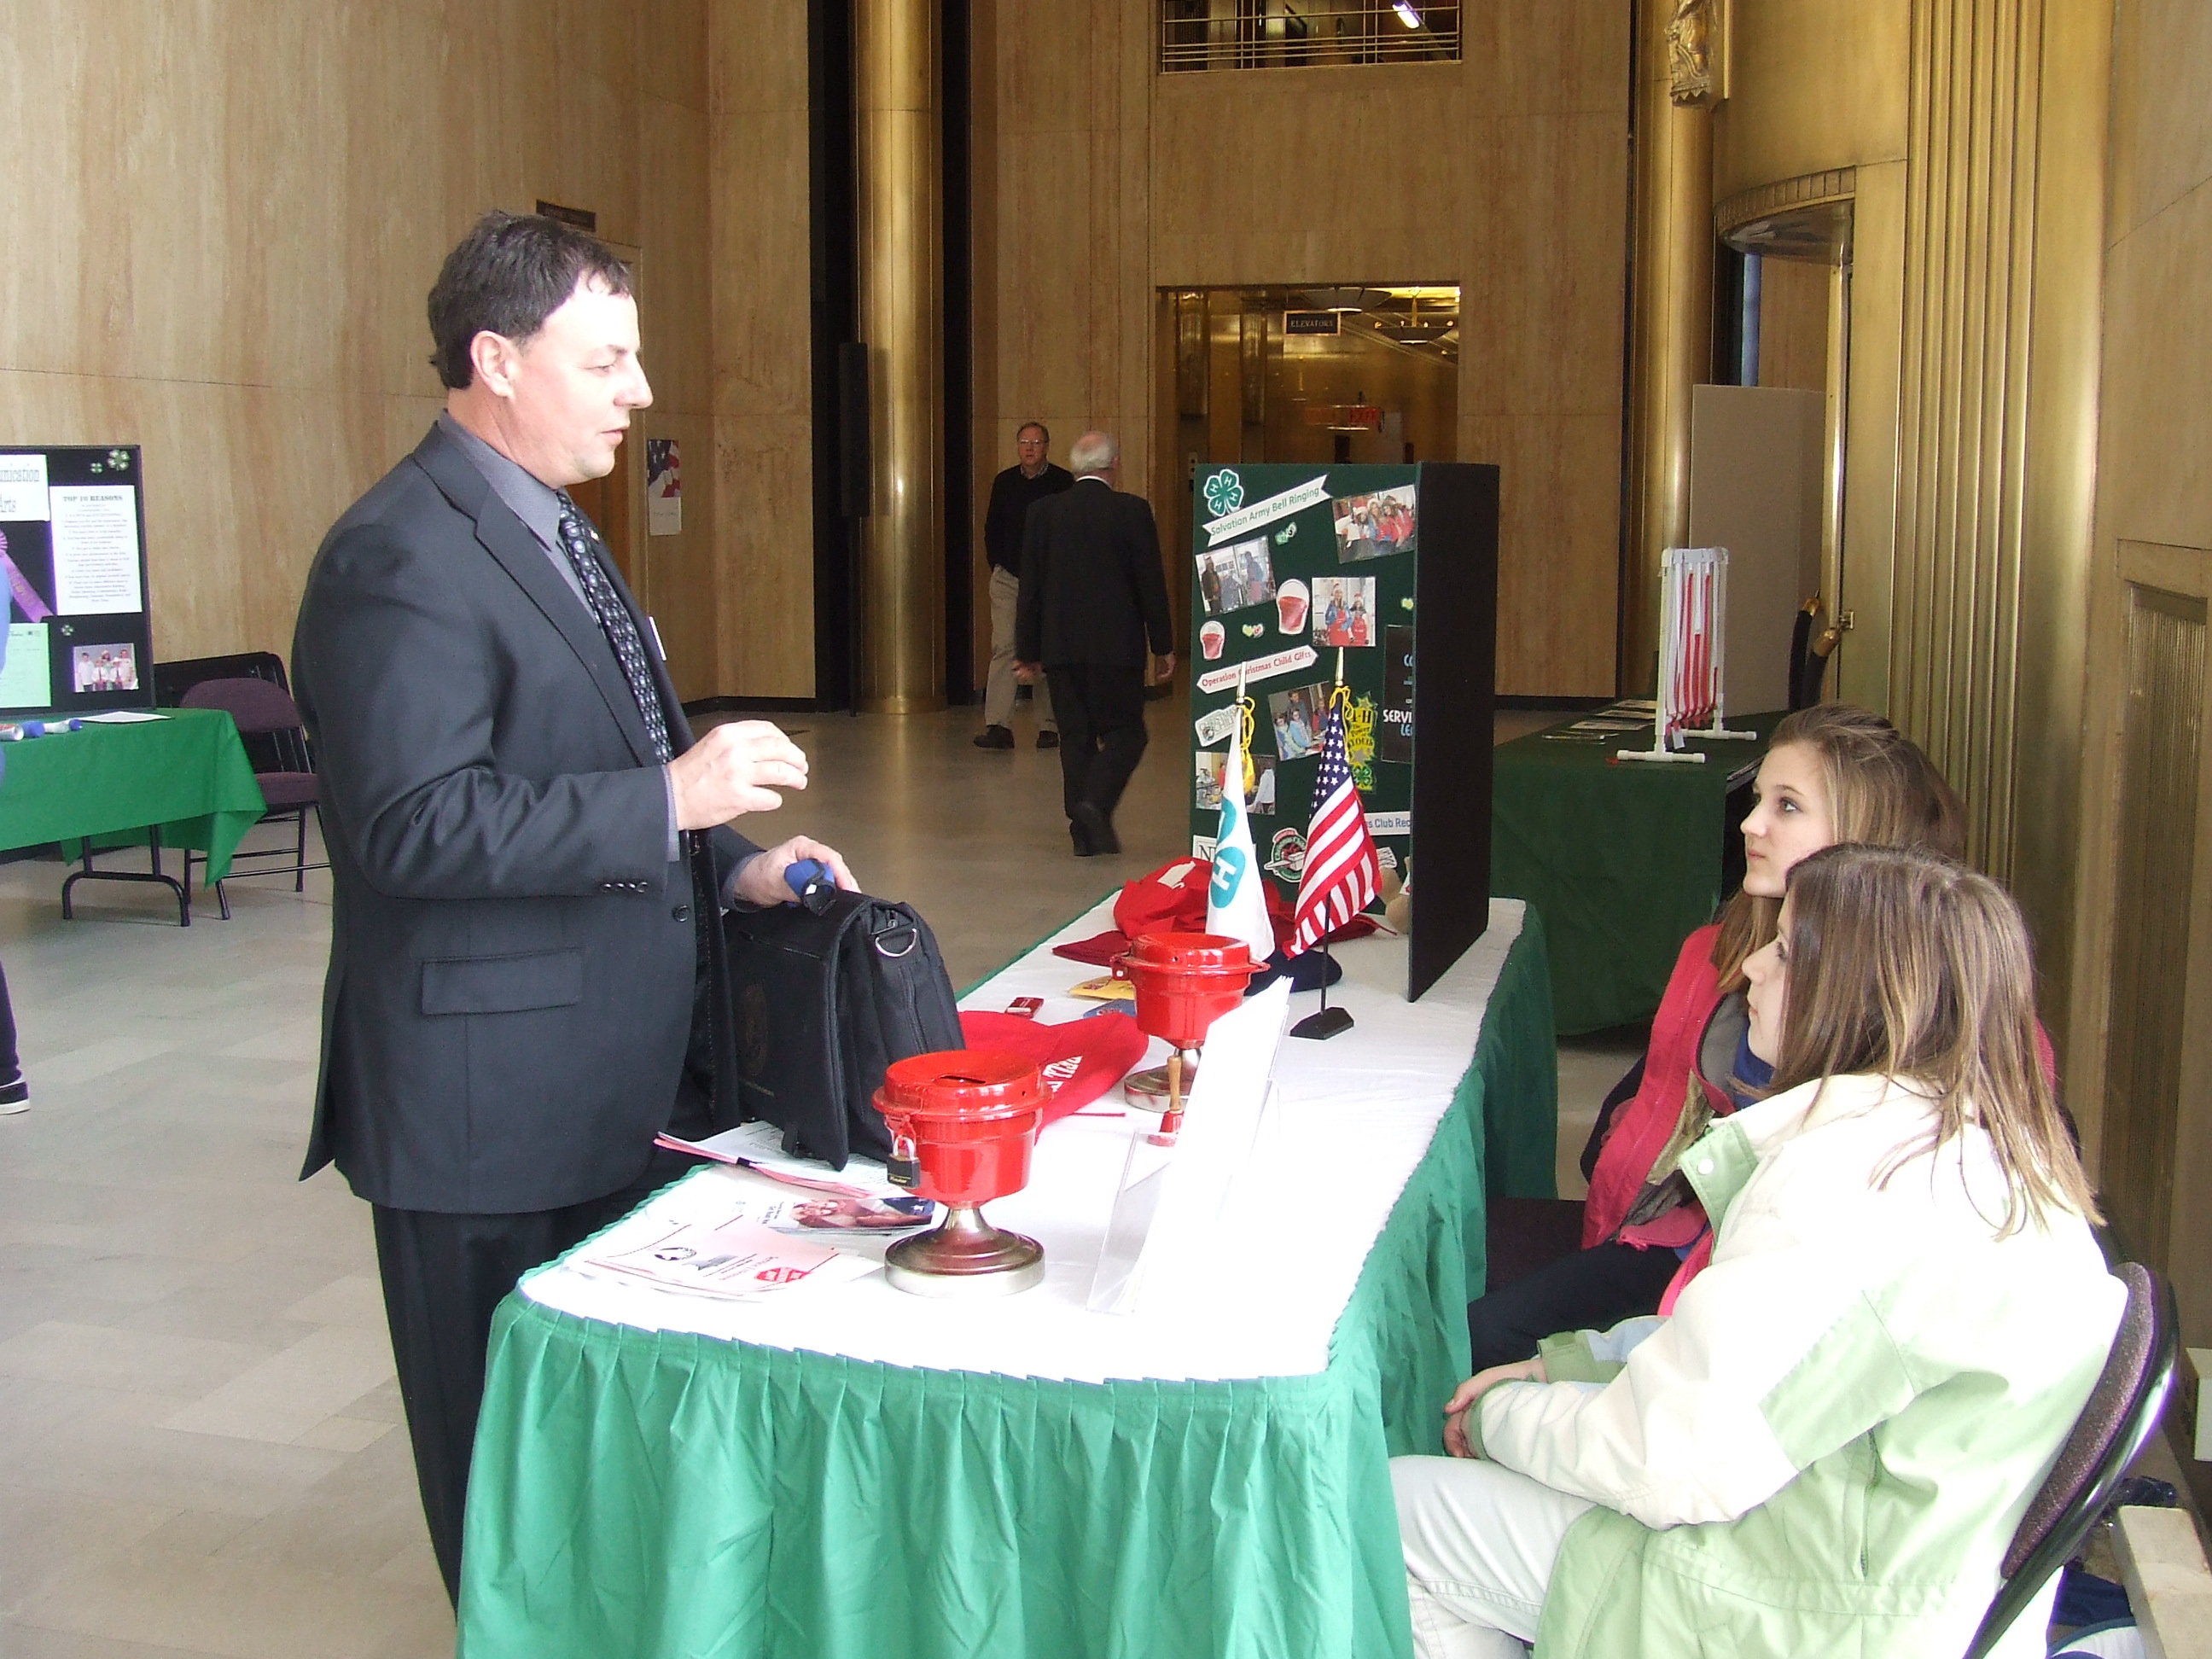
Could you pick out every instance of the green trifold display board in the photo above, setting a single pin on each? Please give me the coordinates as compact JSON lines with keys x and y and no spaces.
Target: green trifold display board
{"x":1396,"y":567}
{"x":1292,"y":568}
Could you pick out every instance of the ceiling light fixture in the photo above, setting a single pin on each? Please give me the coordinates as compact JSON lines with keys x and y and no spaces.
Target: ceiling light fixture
{"x":1408,"y":13}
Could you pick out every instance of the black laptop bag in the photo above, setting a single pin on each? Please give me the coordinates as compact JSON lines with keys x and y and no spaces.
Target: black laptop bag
{"x":825,"y":996}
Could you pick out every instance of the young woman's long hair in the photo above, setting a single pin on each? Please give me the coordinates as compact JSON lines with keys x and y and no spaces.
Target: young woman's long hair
{"x":1905,"y":964}
{"x":1882,"y":791}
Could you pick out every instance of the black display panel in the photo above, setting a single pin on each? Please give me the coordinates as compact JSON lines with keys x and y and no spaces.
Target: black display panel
{"x":73,"y":562}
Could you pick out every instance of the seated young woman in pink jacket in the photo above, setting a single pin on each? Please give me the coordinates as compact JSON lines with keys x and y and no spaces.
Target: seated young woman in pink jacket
{"x":1833,"y":773}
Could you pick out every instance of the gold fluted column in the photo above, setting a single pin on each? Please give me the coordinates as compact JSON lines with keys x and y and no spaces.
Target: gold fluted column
{"x":1671,"y":337}
{"x":903,"y":322}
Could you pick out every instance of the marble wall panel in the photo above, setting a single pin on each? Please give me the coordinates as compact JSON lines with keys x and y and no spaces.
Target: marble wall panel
{"x":764,"y":556}
{"x":1542,"y":301}
{"x":1793,"y":324}
{"x":236,"y":210}
{"x":1556,"y":523}
{"x":1813,"y":84}
{"x":677,"y":307}
{"x":2161,"y":86}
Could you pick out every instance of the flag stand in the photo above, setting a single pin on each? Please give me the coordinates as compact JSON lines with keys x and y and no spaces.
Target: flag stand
{"x":1325,"y":1024}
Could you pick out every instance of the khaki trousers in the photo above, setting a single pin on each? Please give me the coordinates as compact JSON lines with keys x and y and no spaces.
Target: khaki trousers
{"x":999,"y":688}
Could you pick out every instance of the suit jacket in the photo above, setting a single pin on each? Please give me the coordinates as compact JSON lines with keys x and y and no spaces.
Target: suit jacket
{"x":1092,"y":589}
{"x":512,"y":953}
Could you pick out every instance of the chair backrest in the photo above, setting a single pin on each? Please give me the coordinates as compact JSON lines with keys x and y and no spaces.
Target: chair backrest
{"x":2122,"y":1411}
{"x":172,"y":679}
{"x":260,"y":708}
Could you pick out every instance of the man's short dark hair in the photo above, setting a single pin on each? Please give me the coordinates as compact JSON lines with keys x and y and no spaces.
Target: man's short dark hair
{"x":510,"y":273}
{"x":1040,"y":428}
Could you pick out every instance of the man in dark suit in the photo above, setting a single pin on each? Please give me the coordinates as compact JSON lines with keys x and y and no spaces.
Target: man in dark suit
{"x":1092,"y":596}
{"x":529,"y":850}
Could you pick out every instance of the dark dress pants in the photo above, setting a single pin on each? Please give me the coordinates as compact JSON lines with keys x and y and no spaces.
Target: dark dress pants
{"x":1591,"y":1290}
{"x":1101,"y":710}
{"x":444,"y":1277}
{"x":10,"y":1063}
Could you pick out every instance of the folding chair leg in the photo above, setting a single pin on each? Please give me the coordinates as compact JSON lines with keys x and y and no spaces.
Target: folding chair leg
{"x":300,"y":876}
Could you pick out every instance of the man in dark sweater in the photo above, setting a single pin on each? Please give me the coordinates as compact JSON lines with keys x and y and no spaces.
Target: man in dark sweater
{"x":1093,"y":596}
{"x":1012,"y":492}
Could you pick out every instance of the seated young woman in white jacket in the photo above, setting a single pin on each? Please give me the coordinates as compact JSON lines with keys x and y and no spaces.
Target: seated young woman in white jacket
{"x":1827,"y":1446}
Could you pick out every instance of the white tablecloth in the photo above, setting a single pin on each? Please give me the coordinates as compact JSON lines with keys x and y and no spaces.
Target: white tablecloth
{"x":1352,"y":1118}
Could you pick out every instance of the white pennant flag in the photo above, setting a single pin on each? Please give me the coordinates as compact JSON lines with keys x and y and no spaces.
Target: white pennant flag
{"x":1236,"y":903}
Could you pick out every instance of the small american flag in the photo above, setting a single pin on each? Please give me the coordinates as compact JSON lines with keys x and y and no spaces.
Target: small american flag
{"x":1341,"y":871}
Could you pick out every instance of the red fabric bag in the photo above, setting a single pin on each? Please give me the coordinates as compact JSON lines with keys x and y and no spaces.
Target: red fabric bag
{"x":1082,"y":1058}
{"x":1172,"y":900}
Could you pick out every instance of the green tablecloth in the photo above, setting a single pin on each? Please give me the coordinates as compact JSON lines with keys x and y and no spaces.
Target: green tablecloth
{"x":638,"y":1493}
{"x":1622,"y":859}
{"x":185,"y":774}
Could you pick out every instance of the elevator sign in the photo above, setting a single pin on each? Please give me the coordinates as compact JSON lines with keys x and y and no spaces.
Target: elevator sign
{"x":1313,"y":322}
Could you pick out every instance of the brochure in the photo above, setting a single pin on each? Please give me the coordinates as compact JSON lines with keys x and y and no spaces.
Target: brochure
{"x":860,"y":1197}
{"x":734,"y":1258}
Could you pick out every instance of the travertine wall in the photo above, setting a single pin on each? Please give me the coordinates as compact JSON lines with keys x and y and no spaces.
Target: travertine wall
{"x":223,"y":219}
{"x":757,"y":180}
{"x":2154,"y":527}
{"x":1506,"y":172}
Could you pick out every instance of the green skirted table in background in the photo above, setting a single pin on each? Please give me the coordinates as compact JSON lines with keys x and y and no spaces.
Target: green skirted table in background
{"x":751,"y":1481}
{"x":1622,"y":858}
{"x":184,"y":774}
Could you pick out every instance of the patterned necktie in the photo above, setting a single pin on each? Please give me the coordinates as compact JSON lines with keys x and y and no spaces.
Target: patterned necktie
{"x":577,"y":541}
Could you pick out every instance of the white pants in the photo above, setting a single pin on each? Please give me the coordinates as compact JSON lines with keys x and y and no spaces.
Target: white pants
{"x":1479,"y":1541}
{"x":999,"y":688}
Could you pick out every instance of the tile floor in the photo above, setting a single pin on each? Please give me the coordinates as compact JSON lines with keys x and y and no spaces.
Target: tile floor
{"x":200,"y":1442}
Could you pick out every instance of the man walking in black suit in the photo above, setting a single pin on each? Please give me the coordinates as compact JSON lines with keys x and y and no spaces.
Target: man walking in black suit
{"x":530,"y":852}
{"x":1092,"y":596}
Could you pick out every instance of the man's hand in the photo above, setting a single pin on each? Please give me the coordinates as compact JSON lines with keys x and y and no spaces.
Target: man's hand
{"x":1028,"y":674}
{"x":760,"y":881}
{"x":1470,"y":1393}
{"x":1163,"y":669}
{"x":735,"y":769}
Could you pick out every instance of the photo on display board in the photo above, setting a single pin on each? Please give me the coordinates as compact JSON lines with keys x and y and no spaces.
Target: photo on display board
{"x":1297,"y":714}
{"x":1374,"y":526}
{"x":1344,"y":611}
{"x":104,"y":667}
{"x":1233,"y":577}
{"x":1396,"y":742}
{"x":1261,"y":803}
{"x":1211,"y":764}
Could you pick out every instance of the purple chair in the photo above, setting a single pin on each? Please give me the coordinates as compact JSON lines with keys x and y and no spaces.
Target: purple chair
{"x":292,"y":790}
{"x":2123,"y":1410}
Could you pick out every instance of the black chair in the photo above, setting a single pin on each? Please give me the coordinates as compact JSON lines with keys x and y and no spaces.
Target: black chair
{"x":265,"y":712}
{"x":1524,"y":1234}
{"x":1809,"y":654}
{"x":2123,"y":1410}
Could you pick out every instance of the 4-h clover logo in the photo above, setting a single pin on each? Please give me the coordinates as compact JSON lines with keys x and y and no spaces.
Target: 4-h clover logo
{"x":1224,"y":493}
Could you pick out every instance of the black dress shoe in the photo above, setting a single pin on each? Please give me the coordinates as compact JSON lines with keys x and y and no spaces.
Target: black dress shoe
{"x":1082,"y":847}
{"x":1047,"y":739}
{"x":994,"y":737}
{"x":1097,"y":829}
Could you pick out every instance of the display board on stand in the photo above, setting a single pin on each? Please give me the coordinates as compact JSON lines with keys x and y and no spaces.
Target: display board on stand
{"x":1396,"y":568}
{"x":73,"y":555}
